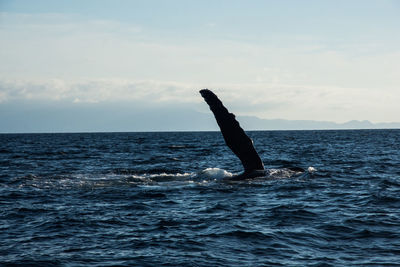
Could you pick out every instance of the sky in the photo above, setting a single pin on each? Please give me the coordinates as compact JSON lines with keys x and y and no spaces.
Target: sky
{"x":76,"y":62}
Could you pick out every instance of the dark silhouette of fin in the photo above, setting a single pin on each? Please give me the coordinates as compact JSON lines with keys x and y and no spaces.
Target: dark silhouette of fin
{"x":234,"y":136}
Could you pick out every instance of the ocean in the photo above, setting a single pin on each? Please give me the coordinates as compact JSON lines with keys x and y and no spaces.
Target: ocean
{"x":165,"y":199}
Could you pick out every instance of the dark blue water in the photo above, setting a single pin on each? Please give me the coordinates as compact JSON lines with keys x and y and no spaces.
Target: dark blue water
{"x":163,"y":199}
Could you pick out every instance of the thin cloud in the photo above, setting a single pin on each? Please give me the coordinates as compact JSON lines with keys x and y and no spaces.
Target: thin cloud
{"x":93,"y":91}
{"x":57,"y":23}
{"x":262,"y":100}
{"x":64,"y":57}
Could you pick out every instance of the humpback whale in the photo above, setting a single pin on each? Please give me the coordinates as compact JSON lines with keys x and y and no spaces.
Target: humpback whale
{"x":235,"y":137}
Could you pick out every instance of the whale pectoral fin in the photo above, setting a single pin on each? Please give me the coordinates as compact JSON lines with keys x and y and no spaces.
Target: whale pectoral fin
{"x":235,"y":138}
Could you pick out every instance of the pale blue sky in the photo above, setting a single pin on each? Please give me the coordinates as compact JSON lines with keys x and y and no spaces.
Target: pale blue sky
{"x":300,"y":60}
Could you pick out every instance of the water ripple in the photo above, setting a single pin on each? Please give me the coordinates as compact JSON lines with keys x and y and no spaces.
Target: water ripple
{"x":165,"y":199}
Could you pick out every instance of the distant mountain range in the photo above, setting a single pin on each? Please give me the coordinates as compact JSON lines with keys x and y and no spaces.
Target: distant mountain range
{"x":119,"y":118}
{"x":254,"y":123}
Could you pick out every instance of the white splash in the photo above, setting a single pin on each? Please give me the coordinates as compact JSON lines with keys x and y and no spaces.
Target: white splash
{"x":214,"y":173}
{"x":311,"y":169}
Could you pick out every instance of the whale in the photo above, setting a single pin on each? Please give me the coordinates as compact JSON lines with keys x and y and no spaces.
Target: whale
{"x":236,"y":139}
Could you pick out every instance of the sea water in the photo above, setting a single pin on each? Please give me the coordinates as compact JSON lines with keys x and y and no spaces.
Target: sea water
{"x":165,"y":199}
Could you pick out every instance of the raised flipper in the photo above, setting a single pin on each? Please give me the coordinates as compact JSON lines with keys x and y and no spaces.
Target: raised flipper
{"x":234,"y":136}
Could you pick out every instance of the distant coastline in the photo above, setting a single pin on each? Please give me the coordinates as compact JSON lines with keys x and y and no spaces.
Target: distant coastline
{"x":251,"y":122}
{"x":190,"y":121}
{"x":103,"y":118}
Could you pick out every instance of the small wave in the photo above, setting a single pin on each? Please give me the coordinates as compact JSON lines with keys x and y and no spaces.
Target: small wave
{"x":311,"y":169}
{"x":242,"y":234}
{"x":123,"y":177}
{"x":177,"y":147}
{"x":279,"y":173}
{"x":289,"y":172}
{"x":163,"y":177}
{"x":214,"y":174}
{"x":180,"y":146}
{"x":92,"y":181}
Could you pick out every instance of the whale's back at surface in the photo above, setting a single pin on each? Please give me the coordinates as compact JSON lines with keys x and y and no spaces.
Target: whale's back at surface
{"x":235,"y":137}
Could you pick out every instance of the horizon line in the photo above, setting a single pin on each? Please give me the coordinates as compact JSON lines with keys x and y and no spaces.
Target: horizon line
{"x":199,"y":131}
